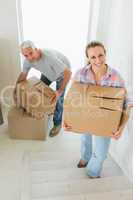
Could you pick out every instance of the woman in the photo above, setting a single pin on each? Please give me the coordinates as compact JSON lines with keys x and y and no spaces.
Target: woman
{"x":97,"y":72}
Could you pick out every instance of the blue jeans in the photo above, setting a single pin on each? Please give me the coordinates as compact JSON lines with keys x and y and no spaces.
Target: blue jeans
{"x":57,"y":119}
{"x":94,"y":150}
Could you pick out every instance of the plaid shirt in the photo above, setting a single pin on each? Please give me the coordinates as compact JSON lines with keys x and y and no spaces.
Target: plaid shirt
{"x":112,"y":79}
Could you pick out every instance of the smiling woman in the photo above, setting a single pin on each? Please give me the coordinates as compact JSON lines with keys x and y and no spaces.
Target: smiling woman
{"x":60,"y":25}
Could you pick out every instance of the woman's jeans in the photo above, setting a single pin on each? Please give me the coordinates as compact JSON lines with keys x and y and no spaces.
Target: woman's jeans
{"x":94,"y":150}
{"x":57,"y":119}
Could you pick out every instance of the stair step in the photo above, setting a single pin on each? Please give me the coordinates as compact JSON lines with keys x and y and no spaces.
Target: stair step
{"x":52,"y":165}
{"x":47,"y":156}
{"x":78,"y":187}
{"x":119,"y":195}
{"x":72,"y":161}
{"x":38,"y":177}
{"x":46,"y":161}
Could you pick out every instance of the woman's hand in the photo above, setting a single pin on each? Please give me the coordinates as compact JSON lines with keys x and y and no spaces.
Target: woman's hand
{"x":66,"y":126}
{"x":118,"y":133}
{"x":124,"y":119}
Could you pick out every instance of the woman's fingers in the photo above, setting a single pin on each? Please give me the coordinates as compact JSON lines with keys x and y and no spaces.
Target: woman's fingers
{"x":66,"y":126}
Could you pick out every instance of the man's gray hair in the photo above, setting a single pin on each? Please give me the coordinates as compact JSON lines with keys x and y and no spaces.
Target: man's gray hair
{"x":27,"y":44}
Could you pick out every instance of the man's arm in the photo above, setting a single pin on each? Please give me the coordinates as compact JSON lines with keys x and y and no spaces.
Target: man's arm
{"x":67,"y":76}
{"x":22,"y":77}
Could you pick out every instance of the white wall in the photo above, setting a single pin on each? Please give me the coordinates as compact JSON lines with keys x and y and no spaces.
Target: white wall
{"x":60,"y":25}
{"x":9,"y":52}
{"x":120,"y":38}
{"x":115,"y":30}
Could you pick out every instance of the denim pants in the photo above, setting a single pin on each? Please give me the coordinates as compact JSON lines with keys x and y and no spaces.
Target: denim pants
{"x":94,"y":150}
{"x":57,"y":118}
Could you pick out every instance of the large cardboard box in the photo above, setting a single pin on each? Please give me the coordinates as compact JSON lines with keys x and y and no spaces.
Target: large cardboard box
{"x":93,"y":109}
{"x":23,"y":126}
{"x":35,"y":96}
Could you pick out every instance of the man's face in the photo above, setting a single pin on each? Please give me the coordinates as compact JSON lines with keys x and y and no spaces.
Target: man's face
{"x":31,"y":54}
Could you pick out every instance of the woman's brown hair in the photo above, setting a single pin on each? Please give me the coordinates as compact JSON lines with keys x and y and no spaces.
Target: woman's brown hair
{"x":94,"y":44}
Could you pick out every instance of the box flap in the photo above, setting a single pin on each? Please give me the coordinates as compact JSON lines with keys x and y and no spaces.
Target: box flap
{"x":107,"y":103}
{"x":84,"y":95}
{"x":106,"y":92}
{"x":46,"y":90}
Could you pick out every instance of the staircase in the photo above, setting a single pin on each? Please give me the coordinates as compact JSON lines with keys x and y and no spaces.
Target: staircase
{"x":52,"y":174}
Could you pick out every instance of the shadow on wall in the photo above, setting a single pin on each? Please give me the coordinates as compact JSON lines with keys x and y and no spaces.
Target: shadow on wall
{"x":130,"y":79}
{"x":7,"y":73}
{"x":121,"y":150}
{"x":126,"y":156}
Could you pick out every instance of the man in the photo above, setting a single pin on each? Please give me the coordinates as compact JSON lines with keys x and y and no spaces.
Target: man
{"x":54,"y":67}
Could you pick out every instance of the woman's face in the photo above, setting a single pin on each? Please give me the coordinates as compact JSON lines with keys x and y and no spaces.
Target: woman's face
{"x":97,"y":56}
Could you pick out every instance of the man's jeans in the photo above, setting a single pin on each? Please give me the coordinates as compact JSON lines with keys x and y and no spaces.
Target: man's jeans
{"x":94,"y":150}
{"x":57,"y":119}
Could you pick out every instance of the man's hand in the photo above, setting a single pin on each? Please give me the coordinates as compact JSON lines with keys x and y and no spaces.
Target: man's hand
{"x":58,"y":94}
{"x":66,"y":78}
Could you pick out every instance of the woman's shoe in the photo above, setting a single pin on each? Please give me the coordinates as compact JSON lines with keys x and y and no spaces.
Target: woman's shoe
{"x":93,"y":177}
{"x":82,"y":164}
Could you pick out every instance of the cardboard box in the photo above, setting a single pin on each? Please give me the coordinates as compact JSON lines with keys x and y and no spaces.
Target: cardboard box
{"x":35,"y":96}
{"x":23,"y":126}
{"x":93,"y":109}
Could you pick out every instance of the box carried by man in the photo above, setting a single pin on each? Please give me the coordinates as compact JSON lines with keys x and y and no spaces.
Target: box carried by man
{"x":93,"y":109}
{"x":36,"y":97}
